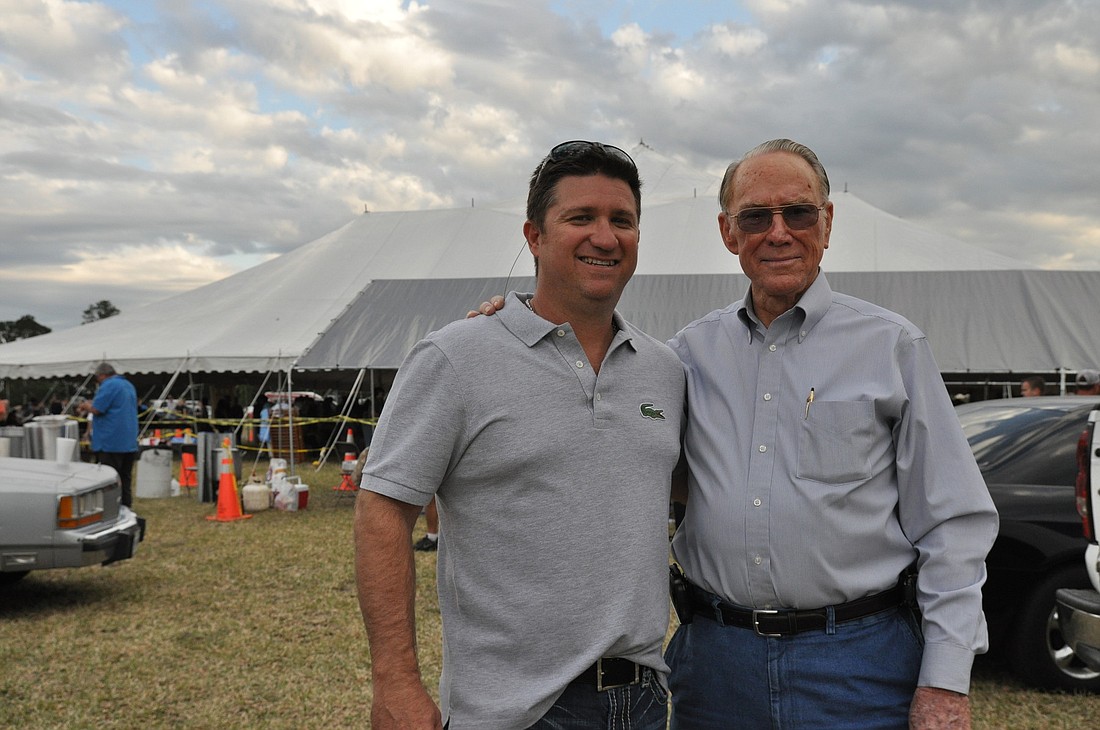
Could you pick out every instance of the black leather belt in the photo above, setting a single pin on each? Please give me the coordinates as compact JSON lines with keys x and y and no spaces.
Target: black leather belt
{"x":611,"y":673}
{"x":769,"y":622}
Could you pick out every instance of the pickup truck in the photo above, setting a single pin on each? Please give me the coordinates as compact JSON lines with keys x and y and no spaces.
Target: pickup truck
{"x":1079,"y":609}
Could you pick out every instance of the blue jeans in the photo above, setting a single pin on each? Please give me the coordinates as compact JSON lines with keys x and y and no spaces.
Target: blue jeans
{"x":860,"y":674}
{"x":641,"y":706}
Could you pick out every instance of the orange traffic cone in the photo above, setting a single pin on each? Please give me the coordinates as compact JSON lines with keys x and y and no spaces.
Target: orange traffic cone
{"x":229,"y":503}
{"x":347,"y":468}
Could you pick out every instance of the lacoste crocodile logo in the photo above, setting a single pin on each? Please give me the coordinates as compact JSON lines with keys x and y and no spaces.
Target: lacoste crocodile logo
{"x":648,"y":411}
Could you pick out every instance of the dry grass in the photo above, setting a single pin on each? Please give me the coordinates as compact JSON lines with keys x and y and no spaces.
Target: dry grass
{"x":255,"y":624}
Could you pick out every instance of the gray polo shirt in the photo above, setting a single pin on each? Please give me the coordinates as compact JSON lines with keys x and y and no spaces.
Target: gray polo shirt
{"x":552,"y":484}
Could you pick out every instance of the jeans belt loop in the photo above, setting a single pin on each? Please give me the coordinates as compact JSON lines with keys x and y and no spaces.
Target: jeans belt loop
{"x":715,"y":606}
{"x":830,"y":620}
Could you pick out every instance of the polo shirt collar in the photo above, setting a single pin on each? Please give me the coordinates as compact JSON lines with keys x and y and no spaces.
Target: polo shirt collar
{"x":529,"y":328}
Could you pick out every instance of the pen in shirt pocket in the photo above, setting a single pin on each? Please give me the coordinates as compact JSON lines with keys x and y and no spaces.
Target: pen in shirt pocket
{"x":809,"y":401}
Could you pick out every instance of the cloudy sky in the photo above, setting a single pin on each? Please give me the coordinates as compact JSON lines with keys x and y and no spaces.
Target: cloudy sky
{"x":151,"y":146}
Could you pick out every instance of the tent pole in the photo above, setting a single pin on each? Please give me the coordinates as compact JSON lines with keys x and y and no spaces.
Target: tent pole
{"x":290,"y":415}
{"x":164,"y":394}
{"x":345,"y":412}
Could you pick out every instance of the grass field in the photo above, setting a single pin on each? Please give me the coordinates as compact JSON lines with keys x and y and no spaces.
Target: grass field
{"x":255,"y":624}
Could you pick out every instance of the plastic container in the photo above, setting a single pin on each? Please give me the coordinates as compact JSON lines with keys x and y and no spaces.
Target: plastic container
{"x":67,"y":449}
{"x":154,"y":474}
{"x":303,"y":495}
{"x":256,"y":497}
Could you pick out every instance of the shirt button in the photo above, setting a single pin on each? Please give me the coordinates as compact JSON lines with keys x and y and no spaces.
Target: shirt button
{"x":762,"y":448}
{"x":802,"y":333}
{"x":580,"y":364}
{"x":561,"y":333}
{"x":756,"y":502}
{"x":598,"y":396}
{"x":757,"y":560}
{"x":773,"y":348}
{"x":767,"y":396}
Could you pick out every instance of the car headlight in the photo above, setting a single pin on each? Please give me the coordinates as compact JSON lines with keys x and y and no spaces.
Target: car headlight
{"x":78,"y":510}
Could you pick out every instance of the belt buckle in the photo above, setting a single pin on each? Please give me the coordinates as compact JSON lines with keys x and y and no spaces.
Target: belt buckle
{"x":600,"y":686}
{"x":756,"y":612}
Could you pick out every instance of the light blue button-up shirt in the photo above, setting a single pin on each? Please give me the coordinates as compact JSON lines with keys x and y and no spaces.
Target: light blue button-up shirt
{"x":825,"y":456}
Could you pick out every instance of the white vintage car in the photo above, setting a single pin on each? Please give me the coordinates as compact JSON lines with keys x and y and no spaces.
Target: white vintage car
{"x":1079,"y":609}
{"x":62,"y":515}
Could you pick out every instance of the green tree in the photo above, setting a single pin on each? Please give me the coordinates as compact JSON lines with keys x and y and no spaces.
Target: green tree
{"x":100,"y":310}
{"x":21,"y":329}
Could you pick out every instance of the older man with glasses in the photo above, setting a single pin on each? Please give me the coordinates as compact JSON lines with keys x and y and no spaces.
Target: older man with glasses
{"x":828,"y":479}
{"x":547,"y":435}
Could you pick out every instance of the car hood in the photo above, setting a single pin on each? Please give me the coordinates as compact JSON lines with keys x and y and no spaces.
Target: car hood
{"x":22,"y":475}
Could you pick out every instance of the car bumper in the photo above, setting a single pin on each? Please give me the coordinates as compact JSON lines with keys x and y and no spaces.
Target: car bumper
{"x":1092,"y":563}
{"x":117,"y":542}
{"x":1079,"y":620}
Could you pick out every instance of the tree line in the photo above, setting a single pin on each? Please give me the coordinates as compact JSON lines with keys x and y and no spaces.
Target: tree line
{"x":26,"y":326}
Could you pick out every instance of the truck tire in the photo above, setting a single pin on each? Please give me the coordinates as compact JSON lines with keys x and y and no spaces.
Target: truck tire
{"x":1037,"y":652}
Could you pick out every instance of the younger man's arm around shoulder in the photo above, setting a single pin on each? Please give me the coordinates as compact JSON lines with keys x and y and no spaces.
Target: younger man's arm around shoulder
{"x":386,"y":580}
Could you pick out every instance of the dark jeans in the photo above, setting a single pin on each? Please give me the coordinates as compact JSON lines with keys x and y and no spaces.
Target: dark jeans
{"x":860,"y":676}
{"x":123,"y":463}
{"x":641,"y":706}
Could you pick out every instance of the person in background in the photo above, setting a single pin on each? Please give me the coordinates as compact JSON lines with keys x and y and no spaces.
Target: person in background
{"x":1088,"y":382}
{"x":430,"y":541}
{"x":547,"y":435}
{"x":115,"y":425}
{"x":1032,"y":387}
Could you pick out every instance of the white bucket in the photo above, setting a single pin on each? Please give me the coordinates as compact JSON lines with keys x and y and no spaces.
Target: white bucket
{"x":154,"y":474}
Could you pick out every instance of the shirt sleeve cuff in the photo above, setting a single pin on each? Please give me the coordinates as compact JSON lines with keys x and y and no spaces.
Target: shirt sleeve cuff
{"x":946,"y":666}
{"x":400,"y":492}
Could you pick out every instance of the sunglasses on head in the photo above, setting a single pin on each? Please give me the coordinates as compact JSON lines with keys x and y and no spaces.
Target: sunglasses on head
{"x":796,"y":216}
{"x":578,"y":147}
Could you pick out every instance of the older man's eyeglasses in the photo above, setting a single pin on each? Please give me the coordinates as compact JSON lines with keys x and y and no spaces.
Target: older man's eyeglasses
{"x":797,"y":216}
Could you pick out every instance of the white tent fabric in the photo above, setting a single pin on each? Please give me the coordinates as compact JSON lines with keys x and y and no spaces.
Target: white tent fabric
{"x":333,"y":302}
{"x":976,"y":321}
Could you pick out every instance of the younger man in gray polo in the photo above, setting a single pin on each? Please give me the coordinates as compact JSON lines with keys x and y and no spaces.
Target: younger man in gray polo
{"x":551,"y":472}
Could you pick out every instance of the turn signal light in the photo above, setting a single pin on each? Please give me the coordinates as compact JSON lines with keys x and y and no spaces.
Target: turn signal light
{"x":79,"y":510}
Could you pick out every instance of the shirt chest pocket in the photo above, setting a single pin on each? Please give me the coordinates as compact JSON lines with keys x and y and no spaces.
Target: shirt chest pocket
{"x":835,"y":441}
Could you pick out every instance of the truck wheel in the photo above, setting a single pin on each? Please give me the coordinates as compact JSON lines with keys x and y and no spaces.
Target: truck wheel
{"x":6,"y":579}
{"x":1037,"y":652}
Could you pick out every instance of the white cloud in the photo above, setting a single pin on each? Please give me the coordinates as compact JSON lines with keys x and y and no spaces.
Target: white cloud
{"x":222,"y":131}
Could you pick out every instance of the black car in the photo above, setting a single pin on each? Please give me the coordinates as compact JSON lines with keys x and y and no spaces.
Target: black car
{"x":1027,"y":450}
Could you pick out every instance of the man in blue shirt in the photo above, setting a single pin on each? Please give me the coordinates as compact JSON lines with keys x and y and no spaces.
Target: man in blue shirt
{"x":115,"y":425}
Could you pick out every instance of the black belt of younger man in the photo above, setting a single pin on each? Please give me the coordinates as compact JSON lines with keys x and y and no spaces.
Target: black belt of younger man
{"x":610,"y":673}
{"x":769,"y":622}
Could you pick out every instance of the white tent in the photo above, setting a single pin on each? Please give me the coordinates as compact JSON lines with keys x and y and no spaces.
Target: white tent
{"x":360,"y":296}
